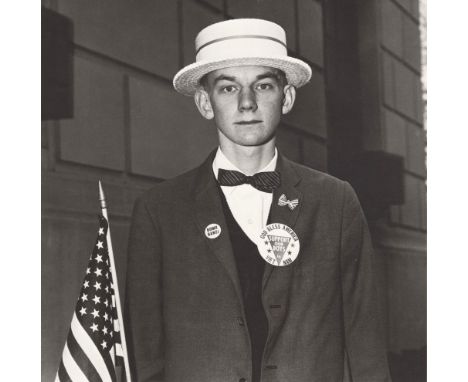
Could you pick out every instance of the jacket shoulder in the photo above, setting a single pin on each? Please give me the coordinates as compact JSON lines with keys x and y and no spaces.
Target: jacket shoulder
{"x":324,"y":186}
{"x":310,"y":176}
{"x":337,"y":197}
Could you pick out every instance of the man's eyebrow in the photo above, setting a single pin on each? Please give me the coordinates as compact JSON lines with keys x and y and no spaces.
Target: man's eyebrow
{"x":222,"y":77}
{"x":268,"y":75}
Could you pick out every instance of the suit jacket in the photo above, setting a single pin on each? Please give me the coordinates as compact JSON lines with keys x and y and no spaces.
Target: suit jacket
{"x":184,"y":313}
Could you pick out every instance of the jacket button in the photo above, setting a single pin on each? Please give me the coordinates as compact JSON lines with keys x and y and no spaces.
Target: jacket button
{"x":242,"y":380}
{"x":240,"y":321}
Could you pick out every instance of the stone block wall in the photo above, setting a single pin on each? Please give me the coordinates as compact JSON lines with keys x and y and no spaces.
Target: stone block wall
{"x":404,"y":134}
{"x":374,"y":98}
{"x":402,"y":102}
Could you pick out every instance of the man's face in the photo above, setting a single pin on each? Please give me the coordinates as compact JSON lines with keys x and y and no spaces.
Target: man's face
{"x":246,"y":103}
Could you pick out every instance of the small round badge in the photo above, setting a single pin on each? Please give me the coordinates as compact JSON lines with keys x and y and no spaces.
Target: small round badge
{"x":278,"y":244}
{"x":212,"y":231}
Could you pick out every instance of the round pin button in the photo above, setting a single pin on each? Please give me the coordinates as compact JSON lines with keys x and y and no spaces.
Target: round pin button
{"x":212,"y":231}
{"x":278,"y":244}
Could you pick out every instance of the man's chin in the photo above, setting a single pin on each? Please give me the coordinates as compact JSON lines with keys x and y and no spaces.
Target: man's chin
{"x":247,"y":138}
{"x":256,"y":141}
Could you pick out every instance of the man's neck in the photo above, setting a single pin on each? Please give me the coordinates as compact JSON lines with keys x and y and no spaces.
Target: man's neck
{"x":249,"y":159}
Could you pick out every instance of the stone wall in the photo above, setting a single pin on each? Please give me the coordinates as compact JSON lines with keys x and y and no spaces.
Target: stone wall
{"x":404,"y":134}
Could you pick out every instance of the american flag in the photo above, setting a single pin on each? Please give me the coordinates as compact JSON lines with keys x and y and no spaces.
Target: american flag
{"x":93,"y":344}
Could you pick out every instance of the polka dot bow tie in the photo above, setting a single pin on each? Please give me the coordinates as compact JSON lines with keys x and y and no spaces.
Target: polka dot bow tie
{"x":263,"y":181}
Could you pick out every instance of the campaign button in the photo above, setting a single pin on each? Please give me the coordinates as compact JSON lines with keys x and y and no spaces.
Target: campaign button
{"x":278,"y":244}
{"x":212,"y":231}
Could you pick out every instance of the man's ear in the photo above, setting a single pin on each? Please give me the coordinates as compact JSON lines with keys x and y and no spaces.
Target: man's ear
{"x":289,"y":98}
{"x":202,"y":100}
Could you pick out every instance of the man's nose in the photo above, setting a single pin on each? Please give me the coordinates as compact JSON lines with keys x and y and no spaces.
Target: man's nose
{"x":247,"y":100}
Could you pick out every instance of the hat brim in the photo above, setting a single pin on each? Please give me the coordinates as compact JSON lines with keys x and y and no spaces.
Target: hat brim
{"x":186,"y":81}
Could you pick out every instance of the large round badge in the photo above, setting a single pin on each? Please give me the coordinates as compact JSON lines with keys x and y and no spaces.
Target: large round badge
{"x":278,"y":244}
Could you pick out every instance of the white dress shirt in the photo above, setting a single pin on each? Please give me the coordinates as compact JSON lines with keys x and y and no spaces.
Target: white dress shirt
{"x":249,"y":206}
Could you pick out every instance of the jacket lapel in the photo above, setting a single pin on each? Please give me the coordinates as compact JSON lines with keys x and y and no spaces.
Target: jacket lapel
{"x":208,"y":210}
{"x":289,"y":180}
{"x":283,"y":214}
{"x":277,"y":280}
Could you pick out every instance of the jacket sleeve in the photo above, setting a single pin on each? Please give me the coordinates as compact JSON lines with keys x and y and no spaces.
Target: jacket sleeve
{"x":143,"y":299}
{"x":364,"y":335}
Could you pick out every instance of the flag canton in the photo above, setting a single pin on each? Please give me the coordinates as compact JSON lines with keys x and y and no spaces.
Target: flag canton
{"x":96,"y":304}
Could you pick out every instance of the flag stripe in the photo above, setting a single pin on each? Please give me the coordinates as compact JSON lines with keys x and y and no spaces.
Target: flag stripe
{"x":82,"y":360}
{"x":112,"y":355}
{"x":110,"y":366}
{"x":62,"y":375}
{"x":90,"y":350}
{"x":118,"y":350}
{"x":117,"y":338}
{"x":73,"y":370}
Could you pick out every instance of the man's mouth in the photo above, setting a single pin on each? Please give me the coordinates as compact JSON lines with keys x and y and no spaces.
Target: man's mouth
{"x":251,"y":122}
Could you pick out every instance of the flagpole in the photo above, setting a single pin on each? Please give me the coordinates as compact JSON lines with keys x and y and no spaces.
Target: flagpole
{"x":102,"y":200}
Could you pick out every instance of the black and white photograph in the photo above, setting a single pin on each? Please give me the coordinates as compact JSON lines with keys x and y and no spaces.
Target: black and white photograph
{"x":234,"y":191}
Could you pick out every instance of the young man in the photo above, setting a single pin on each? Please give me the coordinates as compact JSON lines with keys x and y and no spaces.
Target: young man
{"x":250,"y":267}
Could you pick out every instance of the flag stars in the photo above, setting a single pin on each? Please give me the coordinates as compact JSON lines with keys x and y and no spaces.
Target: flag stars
{"x":97,"y":299}
{"x":98,"y":272}
{"x":84,"y":297}
{"x":101,"y":231}
{"x":95,"y":313}
{"x":88,"y":271}
{"x":106,"y":303}
{"x":104,"y":330}
{"x":99,"y":244}
{"x":97,"y":285}
{"x":107,"y":288}
{"x":104,"y":344}
{"x":99,"y":258}
{"x":83,"y":310}
{"x":94,"y":327}
{"x":106,"y":317}
{"x":86,"y":284}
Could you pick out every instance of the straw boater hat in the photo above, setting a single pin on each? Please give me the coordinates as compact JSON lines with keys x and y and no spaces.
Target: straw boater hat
{"x":241,"y":42}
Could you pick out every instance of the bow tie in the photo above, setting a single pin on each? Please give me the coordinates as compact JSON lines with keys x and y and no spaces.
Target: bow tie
{"x":263,"y":181}
{"x":283,"y":201}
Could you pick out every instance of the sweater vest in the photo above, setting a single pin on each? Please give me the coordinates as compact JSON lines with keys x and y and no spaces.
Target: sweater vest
{"x":250,"y":267}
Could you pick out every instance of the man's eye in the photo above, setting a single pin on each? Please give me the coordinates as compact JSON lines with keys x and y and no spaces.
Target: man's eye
{"x":228,"y":89}
{"x":264,"y":86}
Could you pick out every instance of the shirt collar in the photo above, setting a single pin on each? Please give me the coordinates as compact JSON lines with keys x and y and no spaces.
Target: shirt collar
{"x":220,"y":161}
